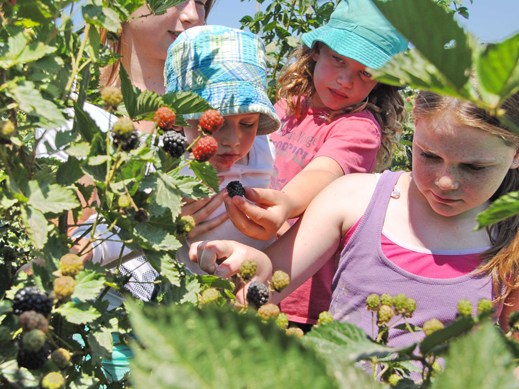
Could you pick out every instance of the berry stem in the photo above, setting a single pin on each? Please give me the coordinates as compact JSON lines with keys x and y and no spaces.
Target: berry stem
{"x":127,"y":192}
{"x":193,"y":143}
{"x":410,"y":329}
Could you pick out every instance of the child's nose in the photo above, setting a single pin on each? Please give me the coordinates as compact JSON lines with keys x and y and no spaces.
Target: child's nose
{"x":447,"y":182}
{"x":345,"y":79}
{"x":229,"y":136}
{"x":188,"y":13}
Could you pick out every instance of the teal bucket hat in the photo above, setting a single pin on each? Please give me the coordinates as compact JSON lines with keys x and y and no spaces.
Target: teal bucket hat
{"x":358,"y":30}
{"x":225,"y":66}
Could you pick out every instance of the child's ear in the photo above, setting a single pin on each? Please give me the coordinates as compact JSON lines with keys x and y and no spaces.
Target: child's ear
{"x":515,"y":161}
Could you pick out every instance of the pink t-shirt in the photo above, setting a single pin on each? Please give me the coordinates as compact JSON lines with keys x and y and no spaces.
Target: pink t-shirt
{"x":436,"y":264}
{"x":352,"y":141}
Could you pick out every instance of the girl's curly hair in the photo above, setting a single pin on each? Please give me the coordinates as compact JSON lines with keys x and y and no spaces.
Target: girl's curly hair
{"x":384,"y":102}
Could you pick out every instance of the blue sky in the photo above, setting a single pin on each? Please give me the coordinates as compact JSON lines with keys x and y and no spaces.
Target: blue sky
{"x":490,"y":20}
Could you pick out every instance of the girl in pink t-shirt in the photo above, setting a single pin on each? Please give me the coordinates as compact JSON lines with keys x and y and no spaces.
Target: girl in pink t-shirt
{"x":336,"y":120}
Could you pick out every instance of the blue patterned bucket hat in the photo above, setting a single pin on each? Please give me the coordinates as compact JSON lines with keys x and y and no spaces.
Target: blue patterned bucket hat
{"x":358,"y":30}
{"x":225,"y":66}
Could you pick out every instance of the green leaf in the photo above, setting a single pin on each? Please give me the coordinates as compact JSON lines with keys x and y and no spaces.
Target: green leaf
{"x":164,"y":265}
{"x":52,"y":198}
{"x":479,"y":360}
{"x":460,"y":326}
{"x":97,"y":173}
{"x":78,"y":150}
{"x":504,"y":207}
{"x":36,"y":225}
{"x":130,"y":93}
{"x":153,"y":238}
{"x":438,"y":37}
{"x":215,"y":282}
{"x":161,"y":6}
{"x":187,"y":291}
{"x":94,"y":44}
{"x":164,"y":196}
{"x":102,"y":16}
{"x":89,"y":284}
{"x":78,"y":312}
{"x":18,"y":50}
{"x":42,"y":277}
{"x":498,"y":67}
{"x":5,"y":307}
{"x":147,"y":103}
{"x":31,"y":101}
{"x":83,"y":123}
{"x":190,"y":188}
{"x":98,"y":160}
{"x":101,"y":345}
{"x":186,"y":102}
{"x":69,"y":172}
{"x":186,"y":347}
{"x":207,"y":173}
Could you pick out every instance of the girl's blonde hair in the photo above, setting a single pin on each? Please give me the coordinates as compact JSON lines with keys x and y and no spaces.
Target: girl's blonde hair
{"x":384,"y":102}
{"x":501,"y":259}
{"x":110,"y":73}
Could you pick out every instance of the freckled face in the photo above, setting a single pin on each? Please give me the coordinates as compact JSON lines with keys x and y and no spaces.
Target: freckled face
{"x":340,"y":82}
{"x":458,"y":168}
{"x":235,"y":138}
{"x":152,"y":35}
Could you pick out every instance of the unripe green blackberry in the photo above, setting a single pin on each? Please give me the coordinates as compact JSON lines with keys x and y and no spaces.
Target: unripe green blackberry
{"x":465,"y":307}
{"x":386,"y":299}
{"x":186,"y":224}
{"x":123,"y":128}
{"x":484,"y":306}
{"x":5,"y":335}
{"x":268,"y":311}
{"x":7,"y":130}
{"x":210,"y":295}
{"x":111,"y":96}
{"x":61,"y":358}
{"x":248,"y":269}
{"x":34,"y":340}
{"x":385,"y":313}
{"x":282,"y":320}
{"x":280,"y":280}
{"x":295,"y":331}
{"x":70,"y":265}
{"x":64,"y":288}
{"x":325,"y":317}
{"x":410,"y":308}
{"x":31,"y":298}
{"x":31,"y":320}
{"x":400,"y":303}
{"x":431,"y":326}
{"x":373,"y":302}
{"x":141,"y":216}
{"x":53,"y":380}
{"x":123,"y":201}
{"x":393,"y":379}
{"x":513,"y":321}
{"x":258,"y":294}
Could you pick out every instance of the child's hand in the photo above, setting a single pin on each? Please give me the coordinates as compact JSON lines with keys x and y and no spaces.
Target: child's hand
{"x":261,"y":220}
{"x":223,"y":258}
{"x":200,"y":210}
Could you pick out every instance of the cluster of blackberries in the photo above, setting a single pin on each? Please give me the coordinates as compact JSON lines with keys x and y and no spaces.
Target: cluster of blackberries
{"x":125,"y":135}
{"x":32,"y":299}
{"x":174,"y":143}
{"x":235,"y":188}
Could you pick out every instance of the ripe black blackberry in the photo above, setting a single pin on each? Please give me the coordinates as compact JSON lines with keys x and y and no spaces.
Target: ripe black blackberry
{"x":32,"y":299}
{"x":141,"y":216}
{"x":174,"y":143}
{"x":235,"y":188}
{"x":32,"y":359}
{"x":258,"y":294}
{"x":127,"y":144}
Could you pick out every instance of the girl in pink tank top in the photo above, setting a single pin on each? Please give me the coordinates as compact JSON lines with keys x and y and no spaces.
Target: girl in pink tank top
{"x":419,"y":240}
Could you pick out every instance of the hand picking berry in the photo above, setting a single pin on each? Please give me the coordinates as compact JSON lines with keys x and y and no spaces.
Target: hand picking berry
{"x":211,"y":120}
{"x":258,"y":294}
{"x":248,"y":269}
{"x":165,"y":118}
{"x":205,"y":148}
{"x":235,"y":188}
{"x":174,"y":143}
{"x":70,"y":265}
{"x":32,"y":299}
{"x":111,"y":96}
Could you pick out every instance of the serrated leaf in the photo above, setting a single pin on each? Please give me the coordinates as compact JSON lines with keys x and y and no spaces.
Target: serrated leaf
{"x":438,"y":31}
{"x":161,"y":6}
{"x":78,"y":312}
{"x":504,"y":207}
{"x":479,"y":360}
{"x":210,"y":348}
{"x":42,"y":277}
{"x":164,"y":195}
{"x":215,"y":282}
{"x":102,"y":16}
{"x":22,"y":377}
{"x":460,"y":326}
{"x":153,"y":238}
{"x":147,"y":103}
{"x":52,"y":198}
{"x":98,"y":160}
{"x":207,"y":173}
{"x":69,"y":172}
{"x":130,"y":93}
{"x":19,"y":50}
{"x":498,"y":67}
{"x":101,"y":345}
{"x":78,"y":150}
{"x":186,"y":102}
{"x":164,"y":265}
{"x":191,"y":188}
{"x":89,"y":284}
{"x":83,"y":123}
{"x":36,"y":225}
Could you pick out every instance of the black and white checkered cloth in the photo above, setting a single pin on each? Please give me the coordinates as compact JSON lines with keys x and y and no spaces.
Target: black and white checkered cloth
{"x":141,"y":284}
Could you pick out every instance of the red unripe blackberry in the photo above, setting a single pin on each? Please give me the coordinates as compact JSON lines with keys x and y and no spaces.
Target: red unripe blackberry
{"x":235,"y":188}
{"x":174,"y":143}
{"x":211,"y":120}
{"x":205,"y":148}
{"x":32,"y":299}
{"x":165,"y":118}
{"x":31,"y":320}
{"x":258,"y":294}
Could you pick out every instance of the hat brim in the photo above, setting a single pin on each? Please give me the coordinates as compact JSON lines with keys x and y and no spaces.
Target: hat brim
{"x":348,"y":44}
{"x":246,"y":99}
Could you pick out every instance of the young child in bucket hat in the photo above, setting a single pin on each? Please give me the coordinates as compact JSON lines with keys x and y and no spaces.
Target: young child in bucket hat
{"x":336,"y":120}
{"x":228,"y":68}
